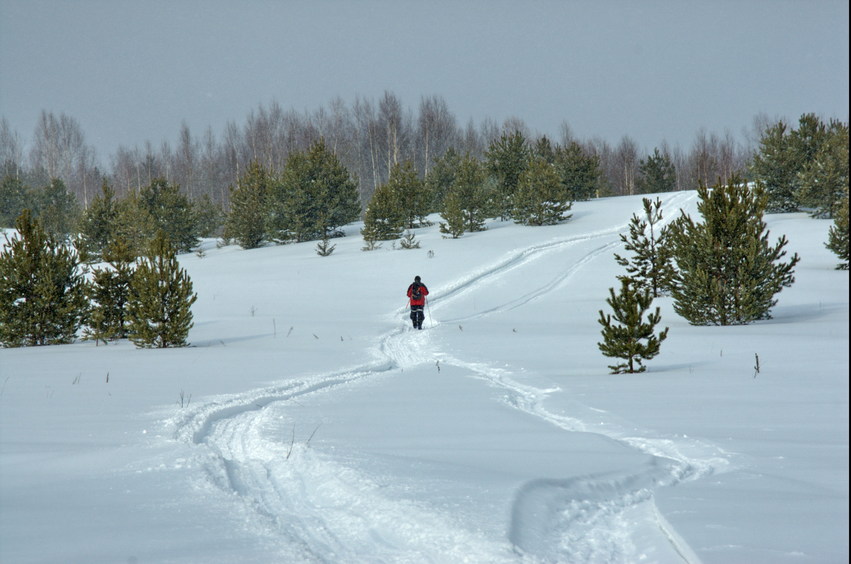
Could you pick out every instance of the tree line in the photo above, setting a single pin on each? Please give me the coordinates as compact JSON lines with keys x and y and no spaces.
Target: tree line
{"x":312,"y":193}
{"x":368,"y":136}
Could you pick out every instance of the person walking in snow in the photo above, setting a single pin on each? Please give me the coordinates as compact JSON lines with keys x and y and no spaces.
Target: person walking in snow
{"x":417,"y":293}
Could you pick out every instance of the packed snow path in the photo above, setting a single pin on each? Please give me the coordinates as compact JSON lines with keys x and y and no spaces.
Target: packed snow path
{"x":336,"y":504}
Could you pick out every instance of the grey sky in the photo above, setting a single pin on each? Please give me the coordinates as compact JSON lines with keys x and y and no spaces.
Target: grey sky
{"x":132,"y":71}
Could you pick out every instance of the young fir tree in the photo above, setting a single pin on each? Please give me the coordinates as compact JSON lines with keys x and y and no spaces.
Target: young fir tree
{"x":726,"y":272}
{"x":540,"y":198}
{"x":651,"y":264}
{"x":159,"y":312}
{"x":109,"y":292}
{"x":656,"y":174}
{"x":630,"y":337}
{"x":248,"y":219}
{"x":42,"y":288}
{"x":507,"y":158}
{"x":838,"y":234}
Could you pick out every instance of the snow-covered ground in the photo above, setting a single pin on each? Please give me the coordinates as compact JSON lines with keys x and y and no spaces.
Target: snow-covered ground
{"x":309,"y":423}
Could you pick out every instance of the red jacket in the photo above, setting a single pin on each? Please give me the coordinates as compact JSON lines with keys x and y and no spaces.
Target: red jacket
{"x":423,"y":294}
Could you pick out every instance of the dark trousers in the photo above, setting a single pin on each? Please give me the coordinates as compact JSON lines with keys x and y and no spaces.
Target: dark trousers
{"x":417,"y":316}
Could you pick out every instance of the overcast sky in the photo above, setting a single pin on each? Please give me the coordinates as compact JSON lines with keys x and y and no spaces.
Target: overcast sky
{"x":132,"y":71}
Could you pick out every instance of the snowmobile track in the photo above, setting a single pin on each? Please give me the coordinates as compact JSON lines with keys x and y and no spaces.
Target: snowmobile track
{"x":560,"y":512}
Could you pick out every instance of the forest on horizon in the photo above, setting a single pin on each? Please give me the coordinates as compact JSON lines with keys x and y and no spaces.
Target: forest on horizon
{"x":368,"y":136}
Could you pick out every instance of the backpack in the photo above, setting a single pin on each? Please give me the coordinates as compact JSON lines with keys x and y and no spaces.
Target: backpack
{"x":416,"y":294}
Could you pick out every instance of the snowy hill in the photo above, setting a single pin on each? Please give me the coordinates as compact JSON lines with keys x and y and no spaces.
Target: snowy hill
{"x":309,"y":423}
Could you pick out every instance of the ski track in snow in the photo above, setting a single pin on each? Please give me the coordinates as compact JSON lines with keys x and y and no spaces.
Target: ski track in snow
{"x":323,"y":511}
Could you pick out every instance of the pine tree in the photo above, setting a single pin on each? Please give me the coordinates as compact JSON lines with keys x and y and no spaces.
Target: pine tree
{"x":57,"y":209}
{"x":651,"y":264}
{"x":507,"y":158}
{"x":543,"y":149}
{"x":823,"y":178}
{"x":109,"y":293}
{"x":807,"y":142}
{"x":98,"y":224}
{"x":209,"y":216}
{"x":838,"y":234}
{"x":408,"y":241}
{"x":170,"y":212}
{"x":631,"y":338}
{"x":804,"y":167}
{"x":656,"y":174}
{"x":248,"y":220}
{"x":776,"y":167}
{"x":42,"y":288}
{"x":134,"y":224}
{"x":159,"y":311}
{"x":338,"y":195}
{"x":385,"y":215}
{"x":453,"y":214}
{"x":540,"y":198}
{"x":315,"y":197}
{"x":324,"y":248}
{"x":579,"y":172}
{"x":14,"y":199}
{"x":727,"y":274}
{"x":469,"y":188}
{"x":405,"y":181}
{"x":441,"y":177}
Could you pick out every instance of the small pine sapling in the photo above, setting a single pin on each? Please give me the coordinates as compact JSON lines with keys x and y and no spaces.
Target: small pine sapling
{"x":324,"y":247}
{"x":630,"y":336}
{"x":407,"y":241}
{"x":371,"y":245}
{"x":651,"y":264}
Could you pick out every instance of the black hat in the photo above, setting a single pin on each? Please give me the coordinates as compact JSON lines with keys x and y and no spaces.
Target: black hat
{"x":416,"y":278}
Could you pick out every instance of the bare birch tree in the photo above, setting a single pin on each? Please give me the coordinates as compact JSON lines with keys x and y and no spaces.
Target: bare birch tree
{"x":11,"y":150}
{"x":60,"y":151}
{"x":626,"y":163}
{"x":436,"y":131}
